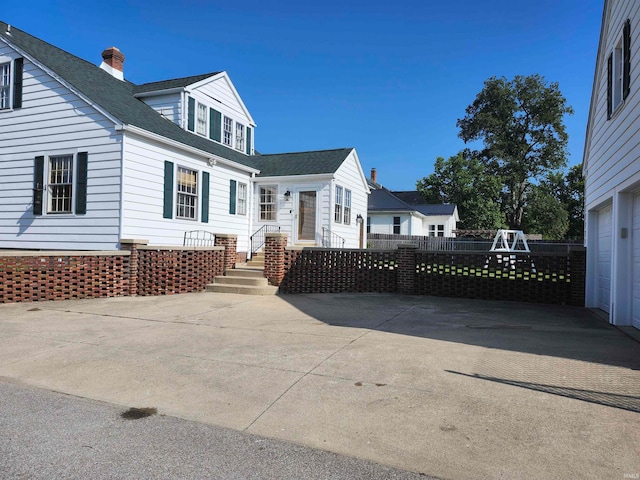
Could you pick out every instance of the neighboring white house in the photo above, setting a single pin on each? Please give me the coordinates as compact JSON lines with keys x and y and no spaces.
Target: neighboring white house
{"x":405,"y":213}
{"x":88,"y":158}
{"x":611,"y":168}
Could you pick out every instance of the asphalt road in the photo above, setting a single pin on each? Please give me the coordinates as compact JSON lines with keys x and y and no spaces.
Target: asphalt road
{"x":49,"y":435}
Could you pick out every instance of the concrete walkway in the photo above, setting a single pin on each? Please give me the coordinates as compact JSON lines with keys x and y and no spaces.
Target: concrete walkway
{"x":452,"y":388}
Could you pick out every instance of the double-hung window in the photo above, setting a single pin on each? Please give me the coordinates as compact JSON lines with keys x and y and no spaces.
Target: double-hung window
{"x":337,"y":217}
{"x":396,"y":225}
{"x":60,"y":184}
{"x":239,"y":136}
{"x":347,"y":207}
{"x":242,"y":199}
{"x":5,"y":85}
{"x":227,"y":131}
{"x":268,"y":197}
{"x":201,"y":121}
{"x":618,"y":70}
{"x":187,"y":188}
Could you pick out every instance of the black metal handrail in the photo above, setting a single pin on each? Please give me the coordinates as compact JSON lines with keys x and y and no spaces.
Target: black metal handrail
{"x":257,"y":239}
{"x":199,"y":238}
{"x":331,"y":240}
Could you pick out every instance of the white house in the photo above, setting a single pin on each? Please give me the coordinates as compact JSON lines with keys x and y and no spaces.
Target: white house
{"x":88,"y":158}
{"x":406,"y":213}
{"x":611,"y":168}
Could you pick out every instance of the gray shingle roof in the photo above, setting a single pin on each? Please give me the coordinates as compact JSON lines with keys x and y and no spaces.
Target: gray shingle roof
{"x":301,"y":163}
{"x":172,"y":83}
{"x":117,"y":98}
{"x":383,"y":200}
{"x":412,"y":197}
{"x":112,"y":95}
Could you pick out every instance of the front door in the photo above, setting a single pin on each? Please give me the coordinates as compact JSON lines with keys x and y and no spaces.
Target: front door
{"x":306,"y":216}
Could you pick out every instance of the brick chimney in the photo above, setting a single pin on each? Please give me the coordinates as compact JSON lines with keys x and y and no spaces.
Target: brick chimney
{"x":113,"y":61}
{"x":374,"y":176}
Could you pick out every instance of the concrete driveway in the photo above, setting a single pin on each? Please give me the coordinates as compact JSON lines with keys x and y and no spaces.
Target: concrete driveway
{"x":459,"y":389}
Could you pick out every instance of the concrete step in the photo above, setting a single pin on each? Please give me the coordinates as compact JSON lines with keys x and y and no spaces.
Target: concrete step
{"x":242,"y":289}
{"x":255,"y":263}
{"x":252,"y":272}
{"x":235,"y":280}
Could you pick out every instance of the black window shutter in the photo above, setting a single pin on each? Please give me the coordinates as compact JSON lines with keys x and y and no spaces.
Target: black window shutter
{"x":609,"y":85}
{"x":38,"y":185}
{"x":626,"y":68}
{"x":232,"y":197}
{"x":168,"y":190}
{"x":191,"y":114}
{"x":215,"y":125}
{"x":205,"y":197}
{"x":248,"y":140}
{"x":81,"y":184}
{"x":18,"y":66}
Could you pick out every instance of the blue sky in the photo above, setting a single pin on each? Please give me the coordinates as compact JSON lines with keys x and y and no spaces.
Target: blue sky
{"x":390,"y":78}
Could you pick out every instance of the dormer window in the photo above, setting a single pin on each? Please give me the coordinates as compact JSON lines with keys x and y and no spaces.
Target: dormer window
{"x":227,"y":132}
{"x":239,"y":136}
{"x":201,"y":124}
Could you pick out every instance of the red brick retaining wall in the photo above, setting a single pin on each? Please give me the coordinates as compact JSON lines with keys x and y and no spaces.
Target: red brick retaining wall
{"x":525,"y":277}
{"x":136,"y":270}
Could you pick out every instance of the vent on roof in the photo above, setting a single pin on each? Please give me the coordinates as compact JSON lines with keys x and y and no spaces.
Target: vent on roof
{"x":113,"y":62}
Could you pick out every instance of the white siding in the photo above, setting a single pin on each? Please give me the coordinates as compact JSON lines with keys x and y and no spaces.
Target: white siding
{"x":383,"y":223}
{"x":142,"y":212}
{"x":287,"y":209}
{"x":448,"y":221}
{"x":53,"y":120}
{"x":168,"y":105}
{"x":612,"y":172}
{"x":219,"y":94}
{"x":349,"y":176}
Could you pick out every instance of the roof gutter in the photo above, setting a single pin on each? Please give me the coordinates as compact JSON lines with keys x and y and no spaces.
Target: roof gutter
{"x":151,"y":93}
{"x":207,"y":155}
{"x":295,"y":178}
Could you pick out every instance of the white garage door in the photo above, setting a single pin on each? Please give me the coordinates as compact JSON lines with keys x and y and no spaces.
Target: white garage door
{"x":604,"y":259}
{"x":635,"y":265}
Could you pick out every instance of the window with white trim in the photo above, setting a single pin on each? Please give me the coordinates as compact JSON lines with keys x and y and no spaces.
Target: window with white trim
{"x":201,"y":119}
{"x":618,"y":62}
{"x":242,"y":199}
{"x":347,"y":207}
{"x":396,"y":225}
{"x":268,"y":197}
{"x":5,"y":85}
{"x":618,"y":70}
{"x":436,"y":230}
{"x":239,"y":136}
{"x":337,"y":217}
{"x":187,"y":188}
{"x":227,"y":131}
{"x":60,"y":184}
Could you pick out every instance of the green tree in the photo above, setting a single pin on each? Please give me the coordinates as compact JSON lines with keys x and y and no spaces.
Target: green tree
{"x":545,"y":213}
{"x":520,"y":124}
{"x":568,"y":189}
{"x":462,"y":180}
